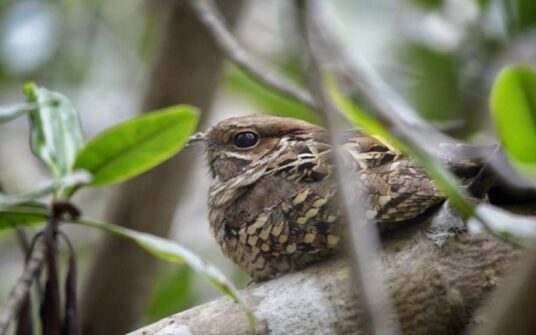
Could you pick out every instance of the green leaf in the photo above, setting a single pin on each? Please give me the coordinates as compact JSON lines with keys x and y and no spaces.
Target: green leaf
{"x":74,"y":179}
{"x":24,"y":215}
{"x":137,"y":145}
{"x":513,"y":104}
{"x":358,"y":116}
{"x":174,"y":293}
{"x":56,"y":134}
{"x":174,"y":252}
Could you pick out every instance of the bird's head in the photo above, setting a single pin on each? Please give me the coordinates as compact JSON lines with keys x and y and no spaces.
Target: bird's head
{"x":242,"y":143}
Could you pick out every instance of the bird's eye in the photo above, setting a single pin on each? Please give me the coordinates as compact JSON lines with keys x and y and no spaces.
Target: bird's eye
{"x":245,"y":139}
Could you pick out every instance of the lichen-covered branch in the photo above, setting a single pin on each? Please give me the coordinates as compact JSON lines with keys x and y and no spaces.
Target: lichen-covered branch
{"x":434,"y":291}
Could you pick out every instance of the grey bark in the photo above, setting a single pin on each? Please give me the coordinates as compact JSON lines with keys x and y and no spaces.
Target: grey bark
{"x":434,"y":291}
{"x":187,"y":70}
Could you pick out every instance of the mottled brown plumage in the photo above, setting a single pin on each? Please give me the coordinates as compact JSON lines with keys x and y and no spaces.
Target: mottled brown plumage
{"x":272,"y":203}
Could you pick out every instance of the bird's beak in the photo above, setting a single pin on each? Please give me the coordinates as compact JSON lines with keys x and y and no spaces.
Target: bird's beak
{"x":197,"y":137}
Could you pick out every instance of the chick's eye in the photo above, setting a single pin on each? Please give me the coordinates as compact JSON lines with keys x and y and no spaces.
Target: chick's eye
{"x":245,"y":139}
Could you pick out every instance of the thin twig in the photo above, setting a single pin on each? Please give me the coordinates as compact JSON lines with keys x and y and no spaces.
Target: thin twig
{"x":364,"y":244}
{"x":27,"y":246}
{"x":22,"y":286}
{"x":208,"y":14}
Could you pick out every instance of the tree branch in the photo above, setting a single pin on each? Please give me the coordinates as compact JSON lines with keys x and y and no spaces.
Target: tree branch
{"x":208,"y":14}
{"x":434,"y":290}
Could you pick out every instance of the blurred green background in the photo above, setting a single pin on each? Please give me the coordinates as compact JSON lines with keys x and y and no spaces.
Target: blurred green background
{"x":441,"y":55}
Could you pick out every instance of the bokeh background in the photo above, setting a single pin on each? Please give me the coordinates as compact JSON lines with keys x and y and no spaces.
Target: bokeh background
{"x":116,"y":59}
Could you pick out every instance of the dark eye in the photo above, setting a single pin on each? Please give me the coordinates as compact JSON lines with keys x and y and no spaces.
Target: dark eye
{"x":245,"y":139}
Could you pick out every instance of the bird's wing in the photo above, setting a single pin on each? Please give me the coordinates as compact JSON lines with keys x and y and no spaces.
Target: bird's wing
{"x":398,"y":189}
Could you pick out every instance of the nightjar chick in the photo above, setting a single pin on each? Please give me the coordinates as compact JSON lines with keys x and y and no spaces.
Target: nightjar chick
{"x":273,"y":206}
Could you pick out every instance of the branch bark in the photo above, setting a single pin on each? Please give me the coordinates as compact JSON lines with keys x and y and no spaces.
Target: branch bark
{"x":434,"y":291}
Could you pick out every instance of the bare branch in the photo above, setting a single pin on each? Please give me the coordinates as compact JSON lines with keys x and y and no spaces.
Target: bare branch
{"x":208,"y":14}
{"x":435,"y":291}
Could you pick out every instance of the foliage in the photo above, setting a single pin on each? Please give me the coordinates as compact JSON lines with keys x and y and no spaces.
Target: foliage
{"x":116,"y":155}
{"x":446,"y":82}
{"x":513,"y":102}
{"x":56,"y":134}
{"x":28,"y":214}
{"x":135,"y":146}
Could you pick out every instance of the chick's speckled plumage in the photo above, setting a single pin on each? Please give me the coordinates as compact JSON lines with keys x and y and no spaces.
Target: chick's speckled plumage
{"x":273,"y":207}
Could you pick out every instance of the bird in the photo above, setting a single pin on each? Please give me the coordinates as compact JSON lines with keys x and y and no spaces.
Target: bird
{"x":273,"y":203}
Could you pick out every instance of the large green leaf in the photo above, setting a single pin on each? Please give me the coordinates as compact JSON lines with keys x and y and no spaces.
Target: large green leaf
{"x":137,"y":145}
{"x":56,"y":134}
{"x":23,"y":215}
{"x":513,"y":103}
{"x":174,"y":252}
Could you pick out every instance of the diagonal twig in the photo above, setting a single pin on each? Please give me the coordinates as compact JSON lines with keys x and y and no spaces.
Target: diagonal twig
{"x":208,"y":14}
{"x":396,"y":114}
{"x":364,"y":243}
{"x":21,"y":288}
